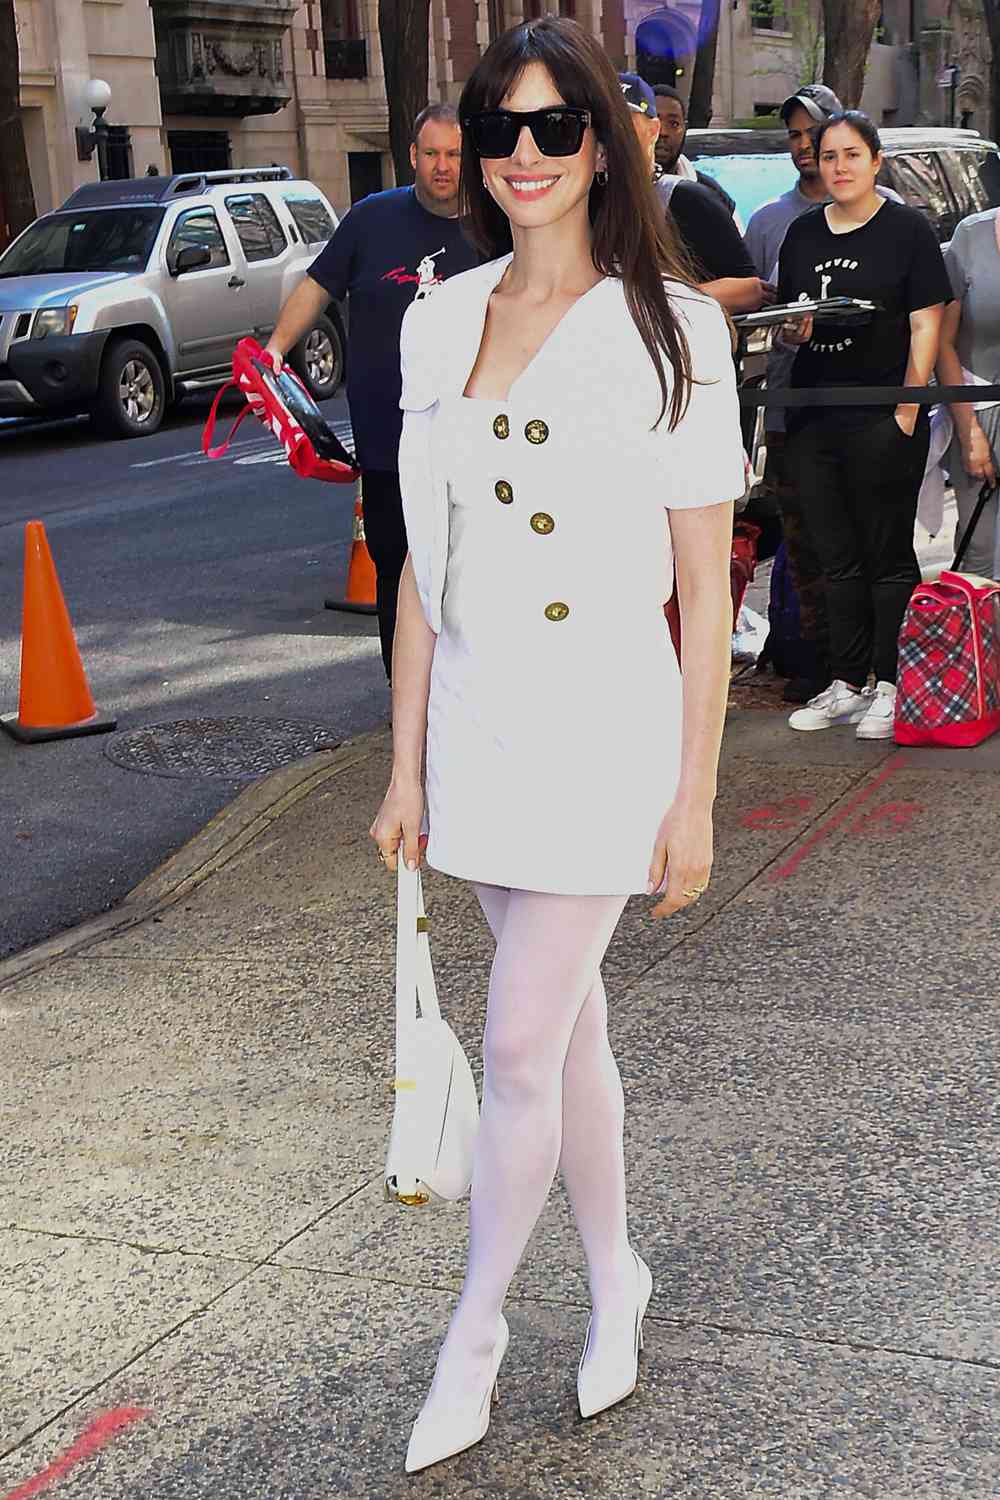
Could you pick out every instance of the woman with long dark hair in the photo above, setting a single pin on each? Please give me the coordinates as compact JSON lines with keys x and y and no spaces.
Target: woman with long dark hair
{"x":858,"y":469}
{"x":570,"y":435}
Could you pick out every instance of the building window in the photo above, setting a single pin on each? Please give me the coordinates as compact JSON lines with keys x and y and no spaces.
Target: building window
{"x":344,"y":51}
{"x":199,"y":150}
{"x":118,"y":153}
{"x":364,"y":171}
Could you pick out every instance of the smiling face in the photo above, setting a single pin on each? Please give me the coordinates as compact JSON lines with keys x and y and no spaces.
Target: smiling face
{"x":535,"y":190}
{"x":847,"y":166}
{"x":801,"y":125}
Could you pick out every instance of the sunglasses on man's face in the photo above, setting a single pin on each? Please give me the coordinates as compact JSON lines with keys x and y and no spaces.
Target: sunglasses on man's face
{"x":556,"y":132}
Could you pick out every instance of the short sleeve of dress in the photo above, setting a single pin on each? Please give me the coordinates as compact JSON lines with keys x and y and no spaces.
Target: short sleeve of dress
{"x":421,"y":500}
{"x":702,"y":458}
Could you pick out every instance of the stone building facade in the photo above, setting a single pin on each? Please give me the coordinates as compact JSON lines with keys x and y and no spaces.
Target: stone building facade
{"x":214,"y":83}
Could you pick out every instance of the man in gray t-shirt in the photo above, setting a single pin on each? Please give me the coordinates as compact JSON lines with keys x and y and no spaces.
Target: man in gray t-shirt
{"x":802,"y":112}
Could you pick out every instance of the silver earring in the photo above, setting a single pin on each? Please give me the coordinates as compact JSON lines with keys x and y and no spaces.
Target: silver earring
{"x":601,"y":177}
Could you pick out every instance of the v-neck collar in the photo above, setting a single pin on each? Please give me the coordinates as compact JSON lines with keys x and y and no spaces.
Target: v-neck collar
{"x":478,"y":331}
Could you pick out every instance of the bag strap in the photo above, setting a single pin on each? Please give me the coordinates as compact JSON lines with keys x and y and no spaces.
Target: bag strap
{"x":206,"y":436}
{"x":414,"y":971}
{"x":984,"y":495}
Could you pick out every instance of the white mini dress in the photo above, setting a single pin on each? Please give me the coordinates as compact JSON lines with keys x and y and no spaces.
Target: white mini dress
{"x":554,"y":715}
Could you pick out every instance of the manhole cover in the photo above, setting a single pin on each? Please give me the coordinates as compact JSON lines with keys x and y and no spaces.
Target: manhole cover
{"x":237,"y":749}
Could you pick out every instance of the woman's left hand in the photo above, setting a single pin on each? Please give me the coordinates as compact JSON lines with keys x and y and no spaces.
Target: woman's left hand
{"x":683,"y":850}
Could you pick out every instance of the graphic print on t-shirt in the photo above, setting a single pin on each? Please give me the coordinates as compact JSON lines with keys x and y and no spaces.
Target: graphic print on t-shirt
{"x":426,"y":279}
{"x":825,"y":271}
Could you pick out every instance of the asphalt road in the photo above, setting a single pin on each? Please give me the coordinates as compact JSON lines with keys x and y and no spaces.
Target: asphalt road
{"x":196,"y":590}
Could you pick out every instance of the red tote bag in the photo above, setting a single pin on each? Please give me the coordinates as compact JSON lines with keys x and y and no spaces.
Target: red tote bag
{"x":948,"y":685}
{"x":742,"y":564}
{"x":284,"y":405}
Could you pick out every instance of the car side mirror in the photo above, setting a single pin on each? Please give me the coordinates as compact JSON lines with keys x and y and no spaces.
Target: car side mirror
{"x":191,"y":258}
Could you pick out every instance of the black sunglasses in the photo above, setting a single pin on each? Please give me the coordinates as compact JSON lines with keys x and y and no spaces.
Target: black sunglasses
{"x":556,"y":132}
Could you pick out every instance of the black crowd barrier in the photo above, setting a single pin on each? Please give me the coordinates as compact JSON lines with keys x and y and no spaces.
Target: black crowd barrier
{"x":869,"y":395}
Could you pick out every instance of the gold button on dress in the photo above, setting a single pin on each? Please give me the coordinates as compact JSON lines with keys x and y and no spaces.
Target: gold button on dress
{"x":543,"y":523}
{"x":536,"y":431}
{"x":504,"y":491}
{"x":501,"y":427}
{"x":556,"y":610}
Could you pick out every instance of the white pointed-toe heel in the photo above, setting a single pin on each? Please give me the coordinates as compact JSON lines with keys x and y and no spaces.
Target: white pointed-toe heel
{"x":601,"y":1383}
{"x":435,"y":1438}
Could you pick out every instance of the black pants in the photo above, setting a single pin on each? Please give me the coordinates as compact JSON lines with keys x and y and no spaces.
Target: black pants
{"x":385,"y":535}
{"x":803,"y":562}
{"x":859,"y":489}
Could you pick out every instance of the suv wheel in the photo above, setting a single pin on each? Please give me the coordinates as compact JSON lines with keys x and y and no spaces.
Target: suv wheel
{"x":318,"y":359}
{"x":131,"y":395}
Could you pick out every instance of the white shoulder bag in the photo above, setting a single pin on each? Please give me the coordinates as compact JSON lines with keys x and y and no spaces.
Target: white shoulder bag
{"x":436,"y":1113}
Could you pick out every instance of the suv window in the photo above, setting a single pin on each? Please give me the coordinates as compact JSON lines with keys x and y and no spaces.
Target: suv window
{"x":198,"y":226}
{"x":311,"y":218}
{"x":965,"y":172}
{"x":916,"y":176}
{"x":261,"y":236}
{"x":105,"y":239}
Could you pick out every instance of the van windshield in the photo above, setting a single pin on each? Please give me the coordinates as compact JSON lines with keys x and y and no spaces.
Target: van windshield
{"x":99,"y":239}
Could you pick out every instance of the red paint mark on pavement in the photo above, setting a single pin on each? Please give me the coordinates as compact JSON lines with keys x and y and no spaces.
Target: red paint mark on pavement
{"x":782,"y":872}
{"x":781,"y":814}
{"x":891,"y":817}
{"x":95,"y":1437}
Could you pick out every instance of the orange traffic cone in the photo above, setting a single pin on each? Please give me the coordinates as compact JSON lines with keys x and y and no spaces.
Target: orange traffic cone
{"x":360,"y":598}
{"x":55,"y":700}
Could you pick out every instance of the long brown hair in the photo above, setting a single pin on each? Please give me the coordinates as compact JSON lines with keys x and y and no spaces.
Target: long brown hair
{"x":631,"y":237}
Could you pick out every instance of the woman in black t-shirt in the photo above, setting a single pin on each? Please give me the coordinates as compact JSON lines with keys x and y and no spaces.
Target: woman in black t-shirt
{"x":859,"y":469}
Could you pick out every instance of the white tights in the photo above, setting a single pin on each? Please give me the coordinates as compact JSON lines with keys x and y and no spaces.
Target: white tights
{"x":552,"y":1097}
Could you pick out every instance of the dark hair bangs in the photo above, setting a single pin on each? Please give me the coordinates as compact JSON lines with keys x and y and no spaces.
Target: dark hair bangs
{"x":507,"y":59}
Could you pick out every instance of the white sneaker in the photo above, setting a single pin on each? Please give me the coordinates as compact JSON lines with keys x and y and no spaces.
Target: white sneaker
{"x":878,"y":722}
{"x":837,"y":704}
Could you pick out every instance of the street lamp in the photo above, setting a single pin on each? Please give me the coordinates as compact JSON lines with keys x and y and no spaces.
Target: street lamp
{"x":97,"y":97}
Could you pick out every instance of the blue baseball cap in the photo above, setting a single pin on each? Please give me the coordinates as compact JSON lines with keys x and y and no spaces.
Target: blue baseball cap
{"x":638,"y":94}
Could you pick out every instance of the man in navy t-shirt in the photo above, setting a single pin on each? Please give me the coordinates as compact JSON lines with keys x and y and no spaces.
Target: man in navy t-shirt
{"x":388,"y":249}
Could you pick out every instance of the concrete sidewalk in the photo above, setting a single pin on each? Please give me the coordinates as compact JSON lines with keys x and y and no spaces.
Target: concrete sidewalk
{"x":203,"y":1294}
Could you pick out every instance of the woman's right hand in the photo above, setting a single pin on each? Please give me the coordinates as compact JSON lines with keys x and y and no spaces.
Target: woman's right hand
{"x":977,"y":455}
{"x":398,"y":821}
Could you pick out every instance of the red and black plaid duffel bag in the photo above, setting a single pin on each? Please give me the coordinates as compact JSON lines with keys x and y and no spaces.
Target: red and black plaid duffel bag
{"x":948,"y":686}
{"x":948,"y":683}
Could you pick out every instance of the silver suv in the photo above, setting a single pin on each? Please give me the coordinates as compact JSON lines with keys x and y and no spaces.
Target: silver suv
{"x":136,"y":292}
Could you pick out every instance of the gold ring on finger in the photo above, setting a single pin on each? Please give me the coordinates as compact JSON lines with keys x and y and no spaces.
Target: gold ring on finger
{"x":692,"y":895}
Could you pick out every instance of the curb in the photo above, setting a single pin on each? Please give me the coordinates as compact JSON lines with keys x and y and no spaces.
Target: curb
{"x":243,"y":820}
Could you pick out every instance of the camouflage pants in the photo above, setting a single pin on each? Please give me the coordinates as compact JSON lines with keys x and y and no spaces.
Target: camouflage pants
{"x":803,"y":564}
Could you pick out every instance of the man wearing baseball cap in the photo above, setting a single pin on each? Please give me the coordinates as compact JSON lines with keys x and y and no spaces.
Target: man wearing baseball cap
{"x":801,"y":112}
{"x":710,"y":237}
